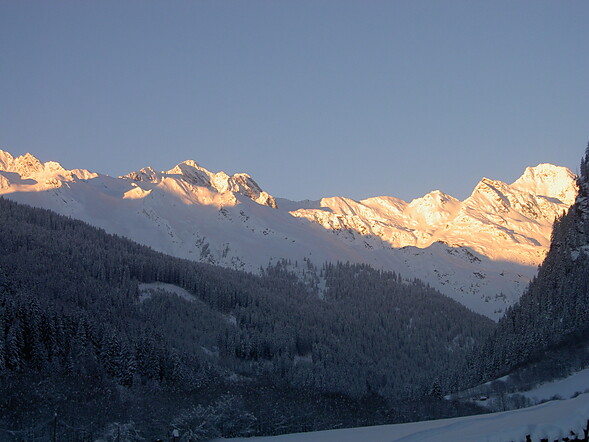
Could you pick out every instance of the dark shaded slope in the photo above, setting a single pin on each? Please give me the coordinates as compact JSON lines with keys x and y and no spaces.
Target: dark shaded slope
{"x":75,"y":338}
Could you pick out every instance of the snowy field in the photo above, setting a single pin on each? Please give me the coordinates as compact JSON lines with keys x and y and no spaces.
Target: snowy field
{"x":552,"y":420}
{"x":147,"y":290}
{"x":563,"y":388}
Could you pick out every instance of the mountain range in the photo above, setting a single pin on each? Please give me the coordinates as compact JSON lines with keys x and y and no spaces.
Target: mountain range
{"x":481,"y":251}
{"x":88,"y":318}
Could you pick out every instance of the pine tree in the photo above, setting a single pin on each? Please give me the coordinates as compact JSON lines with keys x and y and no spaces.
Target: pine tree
{"x":127,"y":367}
{"x":2,"y":351}
{"x":111,"y":355}
{"x":436,"y":392}
{"x":584,"y":168}
{"x":14,"y":347}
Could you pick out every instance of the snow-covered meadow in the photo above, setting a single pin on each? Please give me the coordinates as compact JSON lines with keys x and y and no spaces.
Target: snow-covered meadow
{"x":551,"y":420}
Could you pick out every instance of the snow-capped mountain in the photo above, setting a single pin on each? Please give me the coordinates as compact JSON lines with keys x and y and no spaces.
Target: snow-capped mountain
{"x":503,"y":222}
{"x":481,"y":251}
{"x":195,"y":177}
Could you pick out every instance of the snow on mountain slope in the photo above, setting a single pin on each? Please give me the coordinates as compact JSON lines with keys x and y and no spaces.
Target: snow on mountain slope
{"x":503,"y":222}
{"x":481,"y":251}
{"x":551,"y":421}
{"x":191,"y":173}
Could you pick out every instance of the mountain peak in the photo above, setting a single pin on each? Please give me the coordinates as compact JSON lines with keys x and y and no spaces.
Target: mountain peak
{"x":549,"y":181}
{"x":490,"y":190}
{"x":190,"y":163}
{"x":433,"y":197}
{"x":25,"y":164}
{"x":433,"y":209}
{"x":6,"y":160}
{"x":50,"y":172}
{"x":190,"y":172}
{"x":147,"y":174}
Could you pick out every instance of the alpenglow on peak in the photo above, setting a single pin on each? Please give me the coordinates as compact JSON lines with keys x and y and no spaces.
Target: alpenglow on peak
{"x":190,"y":172}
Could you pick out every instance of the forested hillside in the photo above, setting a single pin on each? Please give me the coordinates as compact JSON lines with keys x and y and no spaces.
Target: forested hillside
{"x":80,"y":338}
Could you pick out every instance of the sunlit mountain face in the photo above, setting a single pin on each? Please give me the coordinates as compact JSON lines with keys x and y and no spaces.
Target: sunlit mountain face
{"x":481,"y":251}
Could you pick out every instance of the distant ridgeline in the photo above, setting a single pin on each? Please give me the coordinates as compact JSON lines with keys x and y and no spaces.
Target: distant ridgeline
{"x":551,"y":320}
{"x":243,"y":355}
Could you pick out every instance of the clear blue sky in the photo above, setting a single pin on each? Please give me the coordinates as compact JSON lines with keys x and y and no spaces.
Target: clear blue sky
{"x":312,"y":98}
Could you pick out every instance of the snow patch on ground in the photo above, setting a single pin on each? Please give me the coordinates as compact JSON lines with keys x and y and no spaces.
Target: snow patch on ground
{"x":231,"y":319}
{"x":304,"y":359}
{"x":508,"y":392}
{"x":147,"y":290}
{"x":565,"y":388}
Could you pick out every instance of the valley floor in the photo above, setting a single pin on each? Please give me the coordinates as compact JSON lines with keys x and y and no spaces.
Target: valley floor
{"x":552,"y":420}
{"x":560,"y":388}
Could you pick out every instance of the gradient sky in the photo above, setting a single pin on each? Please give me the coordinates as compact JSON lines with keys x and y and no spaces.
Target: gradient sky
{"x":312,"y":98}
